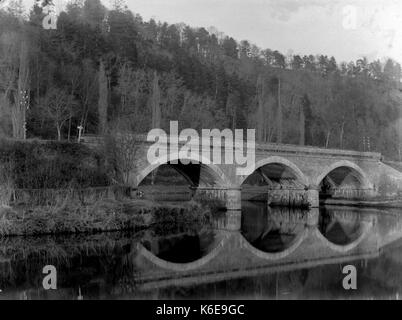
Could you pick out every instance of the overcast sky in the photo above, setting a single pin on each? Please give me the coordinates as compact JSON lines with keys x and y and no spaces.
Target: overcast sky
{"x":346,"y":29}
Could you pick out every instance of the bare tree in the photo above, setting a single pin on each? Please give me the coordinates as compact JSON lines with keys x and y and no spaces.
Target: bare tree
{"x":87,"y":91}
{"x":133,"y":85}
{"x":261,"y":111}
{"x":279,"y":114}
{"x":121,"y":148}
{"x":265,"y":126}
{"x":8,"y":70}
{"x":302,"y":125}
{"x":103,"y":98}
{"x":58,"y":105}
{"x":14,"y":80}
{"x":73,"y":75}
{"x":155,"y":100}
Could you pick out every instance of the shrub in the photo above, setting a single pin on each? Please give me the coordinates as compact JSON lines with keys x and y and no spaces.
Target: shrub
{"x":6,"y":184}
{"x":36,"y":164}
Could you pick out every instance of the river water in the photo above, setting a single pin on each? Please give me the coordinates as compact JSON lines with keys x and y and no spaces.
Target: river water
{"x":278,"y":254}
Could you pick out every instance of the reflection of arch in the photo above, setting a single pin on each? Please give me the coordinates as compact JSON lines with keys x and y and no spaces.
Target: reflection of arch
{"x":183,"y":266}
{"x":277,"y":255}
{"x":348,"y":247}
{"x":279,"y":160}
{"x":359,"y":173}
{"x":214,"y":170}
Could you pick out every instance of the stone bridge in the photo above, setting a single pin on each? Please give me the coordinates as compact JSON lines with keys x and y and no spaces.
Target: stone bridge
{"x":286,"y":175}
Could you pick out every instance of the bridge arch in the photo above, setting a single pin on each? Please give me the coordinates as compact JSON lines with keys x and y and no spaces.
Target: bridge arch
{"x":281,"y":161}
{"x":348,"y":247}
{"x":181,"y":267}
{"x":212,"y":169}
{"x":355,"y":171}
{"x":275,"y":255}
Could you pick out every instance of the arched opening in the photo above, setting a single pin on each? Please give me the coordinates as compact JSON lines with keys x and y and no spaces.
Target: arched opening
{"x":341,"y":225}
{"x":178,"y":180}
{"x":342,"y":183}
{"x":182,"y":247}
{"x":272,"y":229}
{"x":277,"y":183}
{"x":157,"y":185}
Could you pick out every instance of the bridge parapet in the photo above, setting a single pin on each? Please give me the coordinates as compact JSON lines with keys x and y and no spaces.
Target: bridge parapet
{"x":271,"y":148}
{"x":316,"y":151}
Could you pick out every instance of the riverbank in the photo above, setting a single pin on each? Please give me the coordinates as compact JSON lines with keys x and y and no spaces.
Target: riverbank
{"x":392,"y":203}
{"x":100,"y":216}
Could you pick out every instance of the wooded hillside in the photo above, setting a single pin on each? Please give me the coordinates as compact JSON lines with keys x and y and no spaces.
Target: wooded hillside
{"x":107,"y":69}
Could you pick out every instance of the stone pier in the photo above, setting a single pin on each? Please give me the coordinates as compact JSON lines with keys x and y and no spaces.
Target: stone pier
{"x":230,"y":198}
{"x":233,"y":206}
{"x":294,"y":197}
{"x":233,"y":220}
{"x":233,"y":198}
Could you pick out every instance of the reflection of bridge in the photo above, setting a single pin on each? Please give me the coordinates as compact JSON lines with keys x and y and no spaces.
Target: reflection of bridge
{"x":211,"y":277}
{"x":289,"y":175}
{"x":233,"y":256}
{"x":138,"y":271}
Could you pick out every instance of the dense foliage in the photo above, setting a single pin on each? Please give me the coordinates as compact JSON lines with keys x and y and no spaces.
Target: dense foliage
{"x":51,"y":165}
{"x":107,"y":68}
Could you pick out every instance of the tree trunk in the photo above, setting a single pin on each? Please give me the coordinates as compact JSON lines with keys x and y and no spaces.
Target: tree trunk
{"x":261,"y":114}
{"x":327,"y":138}
{"x":18,"y":111}
{"x":155,"y":102}
{"x":103,"y":98}
{"x":302,"y":128}
{"x":341,"y":135}
{"x":69,"y":127}
{"x":234,"y":118}
{"x":279,"y":115}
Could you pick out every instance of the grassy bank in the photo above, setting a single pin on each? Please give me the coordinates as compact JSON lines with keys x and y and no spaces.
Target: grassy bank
{"x":103,"y":215}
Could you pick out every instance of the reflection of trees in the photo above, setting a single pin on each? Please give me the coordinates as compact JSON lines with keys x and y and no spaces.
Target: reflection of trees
{"x":272,"y":229}
{"x":79,"y":260}
{"x":340,"y":226}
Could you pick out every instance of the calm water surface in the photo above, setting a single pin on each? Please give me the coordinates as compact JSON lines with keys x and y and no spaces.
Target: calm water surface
{"x":279,"y":254}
